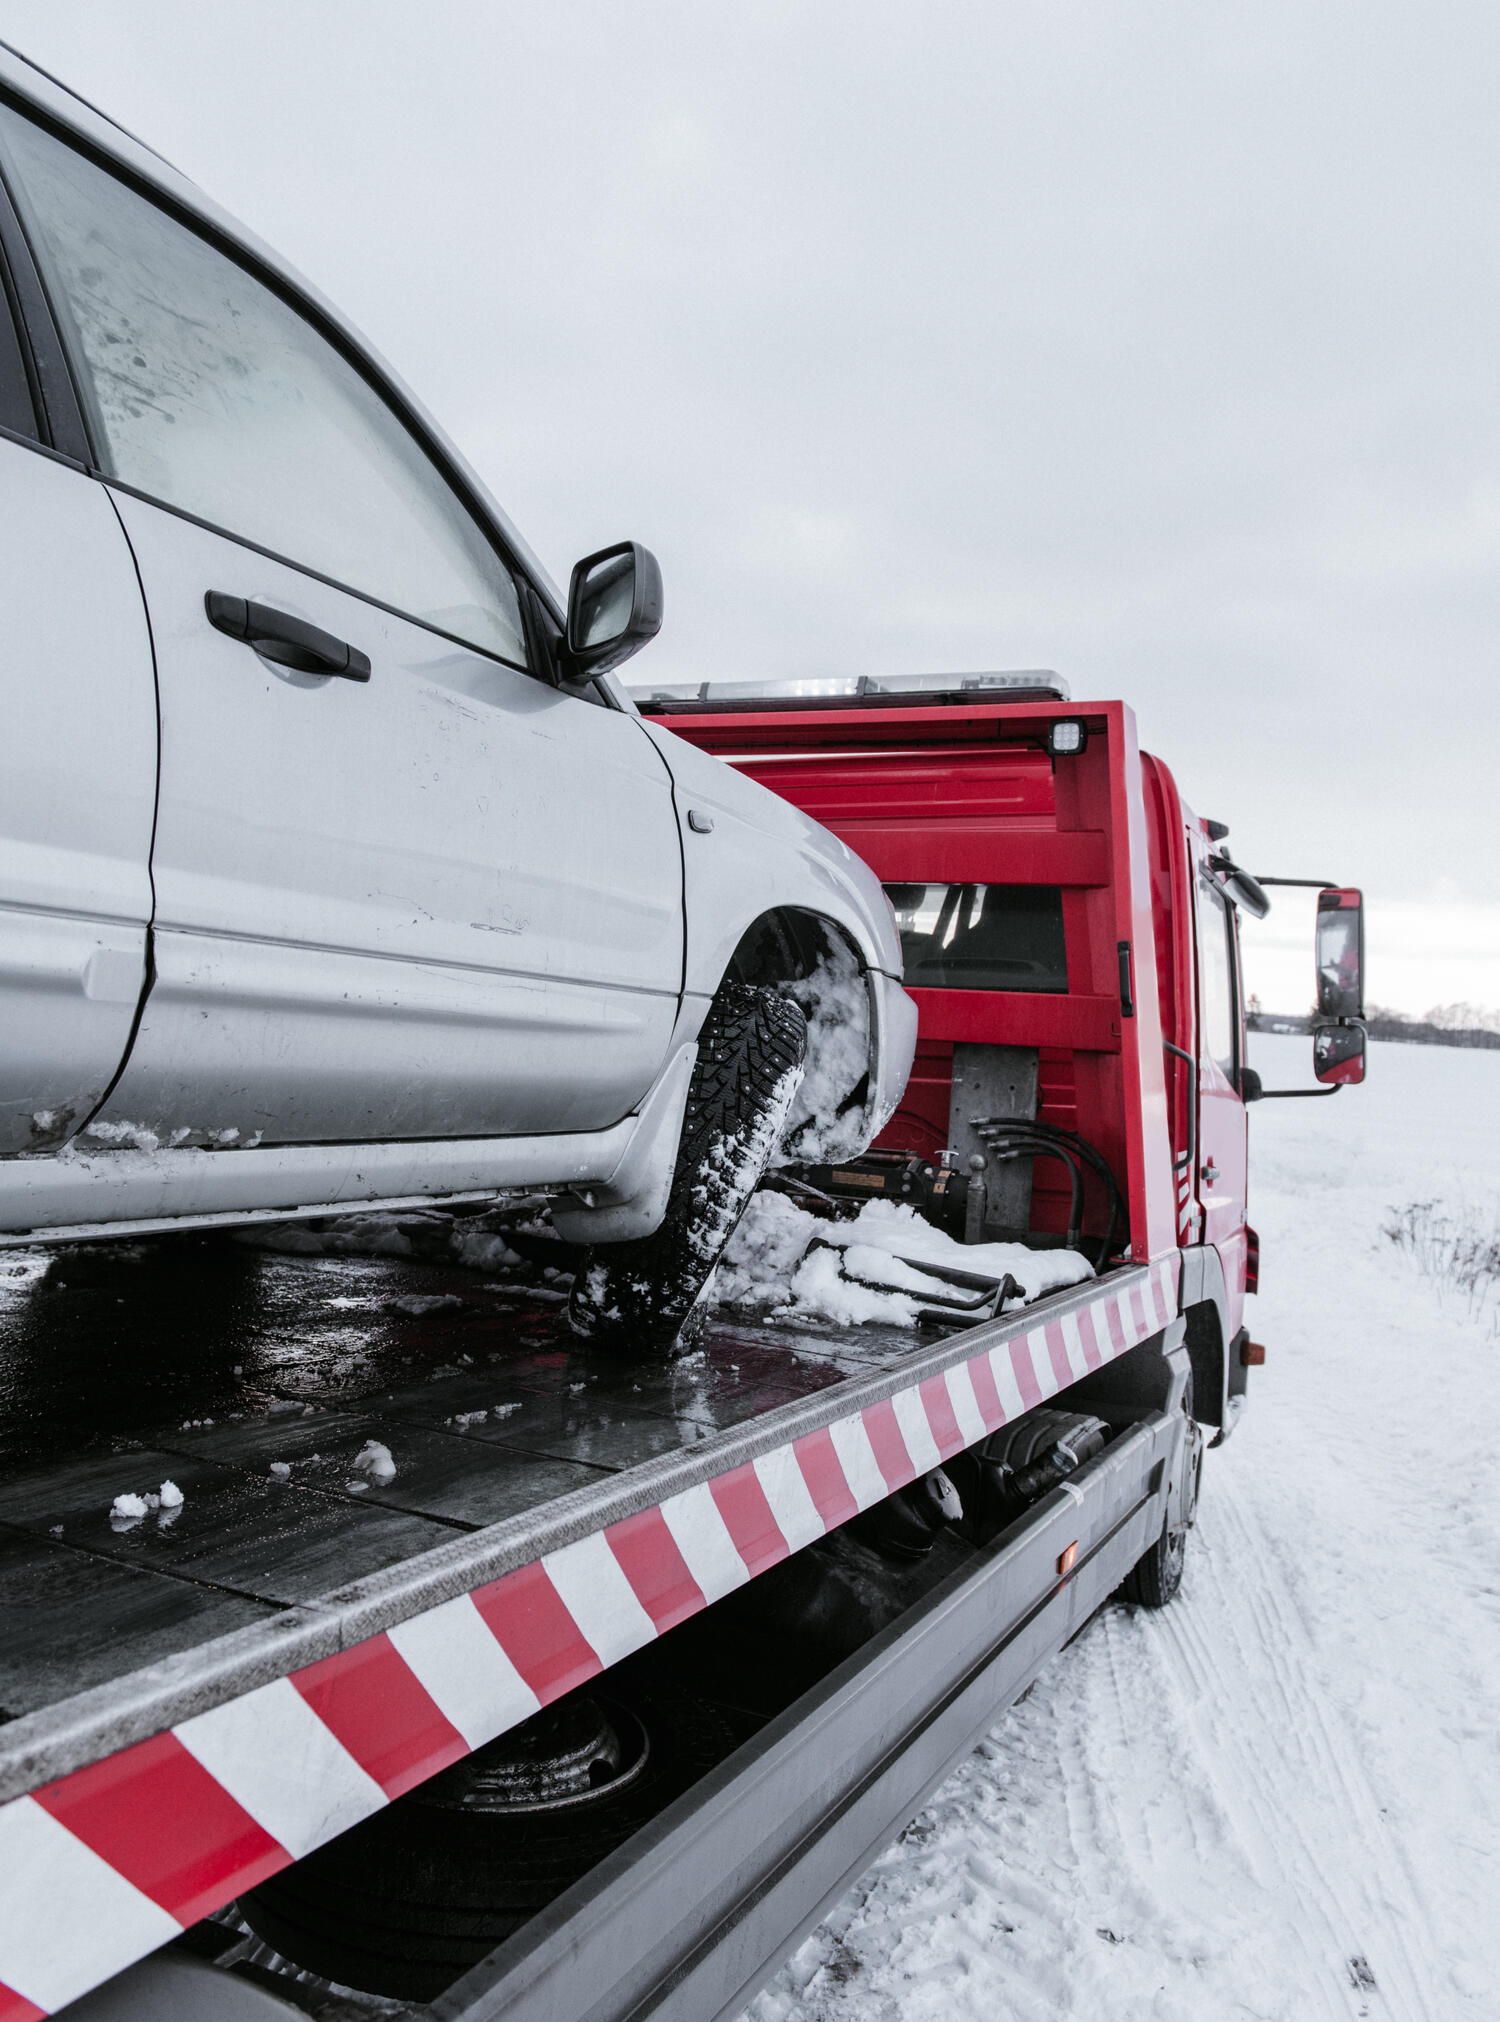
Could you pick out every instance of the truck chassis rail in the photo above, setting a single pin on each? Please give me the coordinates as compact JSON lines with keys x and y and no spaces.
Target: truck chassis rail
{"x":684,"y":1922}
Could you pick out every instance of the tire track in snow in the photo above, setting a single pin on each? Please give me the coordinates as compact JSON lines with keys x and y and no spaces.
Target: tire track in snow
{"x":1245,"y":1674}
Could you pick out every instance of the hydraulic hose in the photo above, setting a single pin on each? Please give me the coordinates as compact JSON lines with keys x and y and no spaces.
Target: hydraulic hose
{"x":1015,"y":1136}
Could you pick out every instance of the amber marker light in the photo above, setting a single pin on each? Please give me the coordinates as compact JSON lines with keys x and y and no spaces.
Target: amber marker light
{"x":1068,"y":1561}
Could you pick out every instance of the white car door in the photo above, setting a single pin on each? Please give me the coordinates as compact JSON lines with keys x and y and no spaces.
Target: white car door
{"x":442,"y":900}
{"x":77,"y":783}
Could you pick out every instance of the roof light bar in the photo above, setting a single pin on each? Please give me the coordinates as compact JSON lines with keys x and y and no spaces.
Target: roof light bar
{"x":1033,"y":684}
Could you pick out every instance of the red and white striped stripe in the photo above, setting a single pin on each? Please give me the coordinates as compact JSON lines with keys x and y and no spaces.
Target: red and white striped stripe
{"x":115,"y":1859}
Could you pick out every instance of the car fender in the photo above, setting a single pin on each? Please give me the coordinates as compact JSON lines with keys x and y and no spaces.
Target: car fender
{"x":748,"y":853}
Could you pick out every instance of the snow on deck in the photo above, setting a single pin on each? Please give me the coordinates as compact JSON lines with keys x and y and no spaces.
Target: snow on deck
{"x":1280,"y":1798}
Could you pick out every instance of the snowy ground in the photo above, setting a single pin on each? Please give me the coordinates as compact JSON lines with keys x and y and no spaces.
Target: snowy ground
{"x":1280,"y":1798}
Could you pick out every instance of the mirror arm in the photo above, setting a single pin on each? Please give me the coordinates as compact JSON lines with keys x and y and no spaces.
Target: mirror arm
{"x":1287,"y":1094}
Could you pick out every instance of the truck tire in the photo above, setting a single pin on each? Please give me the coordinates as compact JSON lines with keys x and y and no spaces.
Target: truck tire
{"x":644,"y":1294}
{"x":1156,"y":1577}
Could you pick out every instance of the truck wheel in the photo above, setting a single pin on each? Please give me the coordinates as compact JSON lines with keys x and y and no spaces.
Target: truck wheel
{"x":1156,"y":1576}
{"x":750,"y":1052}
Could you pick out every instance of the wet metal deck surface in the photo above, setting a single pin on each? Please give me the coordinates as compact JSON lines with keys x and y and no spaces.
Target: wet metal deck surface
{"x":112,"y":1358}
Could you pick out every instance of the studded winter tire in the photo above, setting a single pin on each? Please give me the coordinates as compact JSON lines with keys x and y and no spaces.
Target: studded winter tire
{"x":643,"y":1295}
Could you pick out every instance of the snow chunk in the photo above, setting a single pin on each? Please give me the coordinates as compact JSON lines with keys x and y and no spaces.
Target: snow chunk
{"x":482,"y":1250}
{"x":127,"y":1136}
{"x":171,"y":1495}
{"x":836,"y":1001}
{"x":128,"y":1505}
{"x":766,"y":1266}
{"x":424,"y":1305}
{"x":375,"y":1460}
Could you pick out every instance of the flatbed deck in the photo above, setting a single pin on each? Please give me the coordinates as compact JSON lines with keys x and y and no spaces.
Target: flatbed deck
{"x":552,"y":1509}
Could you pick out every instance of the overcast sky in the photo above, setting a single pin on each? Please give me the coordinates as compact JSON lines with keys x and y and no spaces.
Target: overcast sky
{"x":1155,"y":343}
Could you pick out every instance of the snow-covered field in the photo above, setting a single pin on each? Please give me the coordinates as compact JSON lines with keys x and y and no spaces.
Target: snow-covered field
{"x":1279,"y":1798}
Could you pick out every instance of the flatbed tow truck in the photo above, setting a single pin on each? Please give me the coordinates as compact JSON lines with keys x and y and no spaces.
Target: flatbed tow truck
{"x":374,"y":1646}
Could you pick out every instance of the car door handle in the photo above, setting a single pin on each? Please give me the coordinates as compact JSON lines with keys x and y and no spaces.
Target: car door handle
{"x":290,"y":642}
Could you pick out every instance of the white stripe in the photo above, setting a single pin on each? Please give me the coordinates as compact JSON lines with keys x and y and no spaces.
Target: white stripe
{"x":592,"y":1585}
{"x":1128,"y":1327}
{"x":701,"y":1535}
{"x":790,"y":1498}
{"x":851,"y":1442}
{"x":1041,"y":1361}
{"x":275,"y":1757}
{"x":1003,"y":1371}
{"x":67,"y":1919}
{"x":1102,"y":1334}
{"x":461,"y":1665}
{"x":911,"y":1416}
{"x":1073,"y":1342}
{"x":965,"y":1404}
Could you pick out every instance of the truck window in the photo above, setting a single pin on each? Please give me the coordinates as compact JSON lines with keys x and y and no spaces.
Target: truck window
{"x":982,"y":937}
{"x":1215,"y":982}
{"x":208,"y":392}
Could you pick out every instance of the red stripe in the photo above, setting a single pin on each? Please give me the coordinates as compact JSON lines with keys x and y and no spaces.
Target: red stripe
{"x":657,"y":1571}
{"x":528,"y":1619}
{"x":1057,"y":1349}
{"x":372,"y":1700}
{"x":1138,"y":1308}
{"x":827,"y":1484}
{"x":939,"y":1408}
{"x":887,"y":1445}
{"x":986,"y":1396}
{"x":1116,"y":1324}
{"x":747,"y":1517}
{"x":1093,"y":1354}
{"x":159,"y":1819}
{"x":1025,"y":1372}
{"x":15,"y":2007}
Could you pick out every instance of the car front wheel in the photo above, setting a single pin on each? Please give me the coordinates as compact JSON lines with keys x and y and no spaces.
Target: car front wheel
{"x":645,"y":1294}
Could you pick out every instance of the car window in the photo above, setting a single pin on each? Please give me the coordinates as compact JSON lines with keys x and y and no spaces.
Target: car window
{"x":211,"y":393}
{"x":16,"y":410}
{"x":982,"y":937}
{"x":1215,"y":982}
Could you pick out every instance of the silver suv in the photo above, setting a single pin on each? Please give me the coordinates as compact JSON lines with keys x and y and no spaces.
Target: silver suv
{"x":335,"y":867}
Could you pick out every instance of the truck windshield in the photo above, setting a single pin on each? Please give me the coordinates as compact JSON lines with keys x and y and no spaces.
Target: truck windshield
{"x":981,"y":937}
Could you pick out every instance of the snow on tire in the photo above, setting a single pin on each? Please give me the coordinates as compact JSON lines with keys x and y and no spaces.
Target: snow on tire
{"x":750,"y":1058}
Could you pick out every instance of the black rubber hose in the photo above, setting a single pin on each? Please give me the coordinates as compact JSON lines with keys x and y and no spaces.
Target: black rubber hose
{"x":1023,"y":1147}
{"x":1023,"y":1134}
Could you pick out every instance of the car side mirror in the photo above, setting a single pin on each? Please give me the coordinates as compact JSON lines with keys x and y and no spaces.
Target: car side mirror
{"x":1339,"y":1054}
{"x":1340,"y":954}
{"x":1250,"y":1085}
{"x":614,"y":608}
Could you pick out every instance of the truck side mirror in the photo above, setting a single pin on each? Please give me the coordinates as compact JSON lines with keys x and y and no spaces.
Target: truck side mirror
{"x":1339,"y":1053}
{"x":614,"y":608}
{"x":1340,"y":956}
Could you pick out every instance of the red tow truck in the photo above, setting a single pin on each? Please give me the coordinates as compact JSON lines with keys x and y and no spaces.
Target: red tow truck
{"x":471,"y":1671}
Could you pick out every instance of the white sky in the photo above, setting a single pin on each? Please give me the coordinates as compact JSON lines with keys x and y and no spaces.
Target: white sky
{"x":1156,"y":343}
